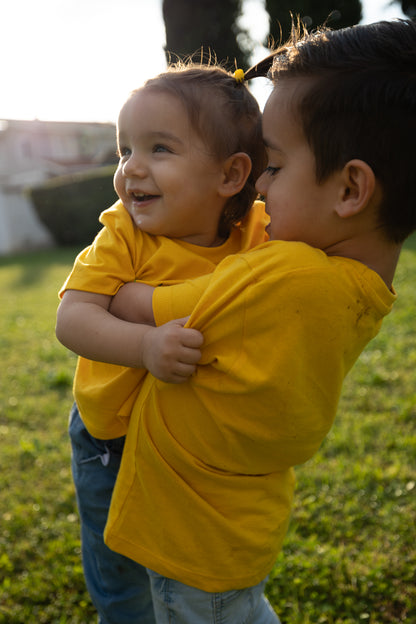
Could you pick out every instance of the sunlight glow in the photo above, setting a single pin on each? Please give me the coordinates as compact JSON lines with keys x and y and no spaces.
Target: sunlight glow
{"x":77,"y":60}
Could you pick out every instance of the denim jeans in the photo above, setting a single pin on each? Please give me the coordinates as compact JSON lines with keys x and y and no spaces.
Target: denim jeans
{"x":119,"y":587}
{"x":176,"y":603}
{"x":123,"y":591}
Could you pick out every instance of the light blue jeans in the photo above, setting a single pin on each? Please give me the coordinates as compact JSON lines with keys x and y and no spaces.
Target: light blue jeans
{"x":123,"y":591}
{"x":176,"y":603}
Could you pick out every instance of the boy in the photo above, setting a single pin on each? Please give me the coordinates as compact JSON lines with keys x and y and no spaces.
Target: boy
{"x":206,"y":484}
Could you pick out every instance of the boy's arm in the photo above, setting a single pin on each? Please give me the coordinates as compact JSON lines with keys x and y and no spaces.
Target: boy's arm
{"x":86,"y":326}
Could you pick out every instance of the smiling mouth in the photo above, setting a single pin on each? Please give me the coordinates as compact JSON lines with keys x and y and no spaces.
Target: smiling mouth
{"x":142,"y":197}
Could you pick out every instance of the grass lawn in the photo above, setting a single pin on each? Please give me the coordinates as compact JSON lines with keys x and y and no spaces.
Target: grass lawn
{"x":350,"y":554}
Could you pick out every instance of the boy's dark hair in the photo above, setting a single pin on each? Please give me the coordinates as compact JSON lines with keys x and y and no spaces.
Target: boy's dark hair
{"x":360,"y":102}
{"x":226,"y":117}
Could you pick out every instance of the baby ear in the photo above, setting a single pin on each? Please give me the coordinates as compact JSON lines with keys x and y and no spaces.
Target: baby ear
{"x":236,"y":170}
{"x":358,"y":186}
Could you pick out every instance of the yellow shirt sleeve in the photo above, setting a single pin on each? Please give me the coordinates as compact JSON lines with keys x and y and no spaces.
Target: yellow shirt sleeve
{"x":177,"y":302}
{"x":109,"y":262}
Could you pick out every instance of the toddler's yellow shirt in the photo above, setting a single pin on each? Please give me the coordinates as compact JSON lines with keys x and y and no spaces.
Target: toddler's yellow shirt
{"x":206,"y":483}
{"x":122,"y":253}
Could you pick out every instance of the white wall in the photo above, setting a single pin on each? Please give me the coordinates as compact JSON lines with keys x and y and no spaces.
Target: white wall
{"x":32,"y":152}
{"x":20,"y":228}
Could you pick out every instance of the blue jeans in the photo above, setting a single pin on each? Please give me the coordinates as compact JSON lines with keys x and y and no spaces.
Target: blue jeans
{"x":176,"y":603}
{"x":123,"y":591}
{"x":119,"y":587}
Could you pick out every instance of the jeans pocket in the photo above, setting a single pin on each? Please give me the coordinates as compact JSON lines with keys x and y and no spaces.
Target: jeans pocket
{"x":86,"y":448}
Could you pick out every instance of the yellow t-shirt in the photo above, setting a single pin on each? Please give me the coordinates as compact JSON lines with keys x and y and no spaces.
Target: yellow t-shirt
{"x":206,"y":482}
{"x":122,"y":253}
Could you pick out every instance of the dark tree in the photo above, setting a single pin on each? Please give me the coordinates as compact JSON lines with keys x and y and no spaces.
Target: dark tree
{"x":213,"y":24}
{"x":409,"y":7}
{"x":210,"y":24}
{"x":313,"y":13}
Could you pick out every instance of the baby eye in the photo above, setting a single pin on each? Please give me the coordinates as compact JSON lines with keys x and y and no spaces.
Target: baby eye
{"x":272,"y":170}
{"x":123,"y":151}
{"x":159,"y":148}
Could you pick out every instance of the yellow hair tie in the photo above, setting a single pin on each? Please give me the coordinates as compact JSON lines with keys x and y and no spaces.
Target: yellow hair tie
{"x":239,"y":75}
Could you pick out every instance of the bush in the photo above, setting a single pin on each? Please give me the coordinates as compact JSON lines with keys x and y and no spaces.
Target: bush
{"x":69,"y":206}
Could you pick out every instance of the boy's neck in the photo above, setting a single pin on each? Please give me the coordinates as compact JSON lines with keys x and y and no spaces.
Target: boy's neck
{"x":375,"y":252}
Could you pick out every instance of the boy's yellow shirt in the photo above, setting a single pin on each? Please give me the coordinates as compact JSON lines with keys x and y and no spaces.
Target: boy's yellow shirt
{"x":122,"y":253}
{"x":205,"y":488}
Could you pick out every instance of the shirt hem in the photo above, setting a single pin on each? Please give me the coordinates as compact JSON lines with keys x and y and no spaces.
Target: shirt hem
{"x":187,"y":577}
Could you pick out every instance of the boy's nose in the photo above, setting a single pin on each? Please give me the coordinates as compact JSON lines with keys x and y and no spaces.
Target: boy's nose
{"x":261,"y":184}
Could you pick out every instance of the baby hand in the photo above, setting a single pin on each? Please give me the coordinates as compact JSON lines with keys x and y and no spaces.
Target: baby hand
{"x":171,"y":351}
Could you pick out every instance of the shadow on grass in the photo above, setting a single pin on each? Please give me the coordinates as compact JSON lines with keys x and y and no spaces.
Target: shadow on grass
{"x":32,"y":265}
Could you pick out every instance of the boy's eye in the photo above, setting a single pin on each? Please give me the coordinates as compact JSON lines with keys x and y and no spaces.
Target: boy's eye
{"x":272,"y":170}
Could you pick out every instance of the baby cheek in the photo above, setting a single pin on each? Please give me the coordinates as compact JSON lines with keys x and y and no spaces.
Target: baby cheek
{"x":117,"y":182}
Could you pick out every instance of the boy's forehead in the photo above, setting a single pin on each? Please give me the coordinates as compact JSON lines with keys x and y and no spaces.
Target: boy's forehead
{"x":286,"y":91}
{"x":282,"y":125}
{"x":279,"y":105}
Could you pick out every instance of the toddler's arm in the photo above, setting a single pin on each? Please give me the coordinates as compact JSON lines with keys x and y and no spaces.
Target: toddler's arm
{"x":86,"y":326}
{"x":133,"y":302}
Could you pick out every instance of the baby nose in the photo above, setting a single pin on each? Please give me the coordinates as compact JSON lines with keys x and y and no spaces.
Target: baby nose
{"x":135,"y":166}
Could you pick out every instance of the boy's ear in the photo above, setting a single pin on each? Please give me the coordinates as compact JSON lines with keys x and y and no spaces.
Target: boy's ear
{"x":358,"y":186}
{"x":236,"y":170}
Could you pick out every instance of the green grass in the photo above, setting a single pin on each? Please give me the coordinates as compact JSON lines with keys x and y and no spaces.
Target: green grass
{"x":350,"y":554}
